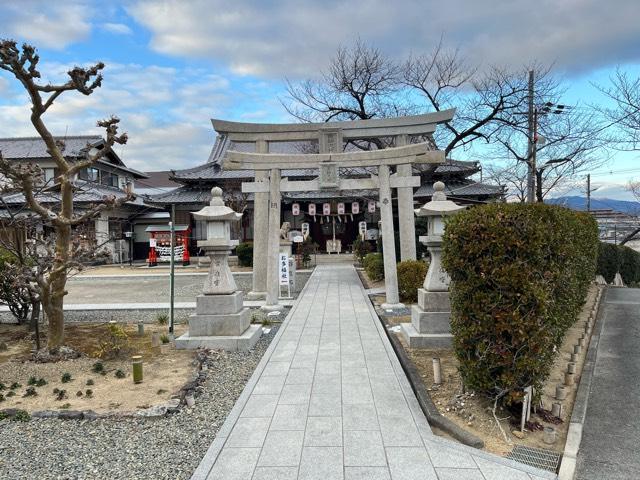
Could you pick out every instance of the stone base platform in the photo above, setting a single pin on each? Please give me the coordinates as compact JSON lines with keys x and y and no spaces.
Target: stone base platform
{"x":424,"y":340}
{"x":232,"y":343}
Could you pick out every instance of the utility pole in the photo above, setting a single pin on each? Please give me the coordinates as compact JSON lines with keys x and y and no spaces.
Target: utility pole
{"x":172,"y":229}
{"x":531,"y":188}
{"x":588,"y":192}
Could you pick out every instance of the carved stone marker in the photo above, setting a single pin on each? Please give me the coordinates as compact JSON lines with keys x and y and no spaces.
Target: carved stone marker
{"x":220,"y":320}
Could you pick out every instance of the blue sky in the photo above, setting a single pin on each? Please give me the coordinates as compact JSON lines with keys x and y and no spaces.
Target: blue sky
{"x":173,"y":65}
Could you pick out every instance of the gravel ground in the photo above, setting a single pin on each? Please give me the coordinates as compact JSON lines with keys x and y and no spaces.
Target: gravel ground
{"x":164,"y":448}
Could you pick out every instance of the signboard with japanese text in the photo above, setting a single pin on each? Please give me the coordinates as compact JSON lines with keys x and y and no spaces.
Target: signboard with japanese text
{"x":283,"y":269}
{"x":152,"y":242}
{"x":295,"y":209}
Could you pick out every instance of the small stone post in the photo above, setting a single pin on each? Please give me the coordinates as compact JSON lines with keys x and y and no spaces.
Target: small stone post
{"x":220,"y":321}
{"x":430,"y":327}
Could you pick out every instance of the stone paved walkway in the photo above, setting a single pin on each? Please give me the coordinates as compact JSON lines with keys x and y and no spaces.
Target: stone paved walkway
{"x":330,"y":401}
{"x":611,"y":431}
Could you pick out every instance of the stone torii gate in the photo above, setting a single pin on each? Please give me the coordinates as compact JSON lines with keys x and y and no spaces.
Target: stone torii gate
{"x":331,"y":137}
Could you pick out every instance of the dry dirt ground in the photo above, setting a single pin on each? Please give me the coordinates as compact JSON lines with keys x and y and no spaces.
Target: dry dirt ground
{"x":473,"y":412}
{"x":165,"y":372}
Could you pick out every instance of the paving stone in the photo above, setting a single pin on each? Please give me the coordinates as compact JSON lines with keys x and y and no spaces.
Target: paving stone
{"x":364,"y":448}
{"x":496,"y":471}
{"x":300,"y":376}
{"x":276,"y":368}
{"x":269,"y":385}
{"x":290,"y":417}
{"x":444,"y":457}
{"x":292,"y":394}
{"x":399,"y":431}
{"x":248,"y":432}
{"x":367,"y":473}
{"x":281,"y":449}
{"x":321,"y":463}
{"x":325,"y":405}
{"x":458,"y":474}
{"x":410,"y":463}
{"x":260,"y":406}
{"x":360,"y":417}
{"x":275,"y":473}
{"x":234,"y":464}
{"x":323,"y":432}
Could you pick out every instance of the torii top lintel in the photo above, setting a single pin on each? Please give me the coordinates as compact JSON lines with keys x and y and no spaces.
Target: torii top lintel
{"x":424,"y":124}
{"x":409,"y":154}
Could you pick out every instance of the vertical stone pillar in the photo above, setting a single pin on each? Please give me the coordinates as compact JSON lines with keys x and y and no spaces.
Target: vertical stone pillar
{"x":388,"y":240}
{"x":260,"y":233}
{"x":273,"y":249}
{"x":407,"y":226}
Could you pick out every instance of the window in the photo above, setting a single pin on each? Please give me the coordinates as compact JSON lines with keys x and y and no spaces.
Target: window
{"x":109,"y":179}
{"x":90,"y":174}
{"x":49,"y":174}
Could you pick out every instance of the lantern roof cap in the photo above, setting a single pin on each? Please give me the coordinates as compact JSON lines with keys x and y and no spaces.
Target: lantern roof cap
{"x":217,"y":210}
{"x":439,"y":205}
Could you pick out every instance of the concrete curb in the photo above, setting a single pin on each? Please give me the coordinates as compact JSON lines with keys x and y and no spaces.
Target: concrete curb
{"x":574,"y":434}
{"x":434,"y":417}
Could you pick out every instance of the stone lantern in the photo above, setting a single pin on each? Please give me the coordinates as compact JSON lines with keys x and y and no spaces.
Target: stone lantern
{"x":220,"y":320}
{"x":430,"y":325}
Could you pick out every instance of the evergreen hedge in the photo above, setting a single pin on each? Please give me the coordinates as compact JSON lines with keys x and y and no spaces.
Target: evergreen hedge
{"x":618,"y":258}
{"x":411,"y":274}
{"x":244,"y":251}
{"x":374,"y":266}
{"x":519,"y":276}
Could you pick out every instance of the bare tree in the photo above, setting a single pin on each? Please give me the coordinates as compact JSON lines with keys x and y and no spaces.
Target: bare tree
{"x":360,"y":83}
{"x":513,"y":176}
{"x":23,"y":64}
{"x":625,"y":93}
{"x":486,"y":100}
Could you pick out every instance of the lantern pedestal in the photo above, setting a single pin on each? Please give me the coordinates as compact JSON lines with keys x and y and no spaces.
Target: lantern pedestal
{"x":220,"y":321}
{"x":430,"y":325}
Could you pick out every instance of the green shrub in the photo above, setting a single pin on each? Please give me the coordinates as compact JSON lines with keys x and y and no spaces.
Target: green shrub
{"x":66,"y":377}
{"x":361,"y":248}
{"x":244,"y":251}
{"x":629,"y":264}
{"x":120,"y":374}
{"x":519,"y":276}
{"x":374,"y":266}
{"x":411,"y":274}
{"x":618,"y":258}
{"x":164,"y":338}
{"x":162,"y":319}
{"x":608,"y":261}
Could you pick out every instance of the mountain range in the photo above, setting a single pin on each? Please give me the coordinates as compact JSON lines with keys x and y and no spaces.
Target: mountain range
{"x":580,"y":203}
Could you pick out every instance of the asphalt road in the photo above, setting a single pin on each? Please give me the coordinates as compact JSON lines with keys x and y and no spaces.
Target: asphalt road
{"x":611,"y":435}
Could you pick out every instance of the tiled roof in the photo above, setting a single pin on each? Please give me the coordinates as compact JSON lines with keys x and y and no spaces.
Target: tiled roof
{"x":86,"y":192}
{"x":461,"y":189}
{"x":184,"y":194}
{"x":34,"y":147}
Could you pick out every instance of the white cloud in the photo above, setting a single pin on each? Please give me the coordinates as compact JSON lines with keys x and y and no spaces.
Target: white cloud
{"x":165,"y":111}
{"x":117,"y":28}
{"x":297,"y":37}
{"x":46,"y":23}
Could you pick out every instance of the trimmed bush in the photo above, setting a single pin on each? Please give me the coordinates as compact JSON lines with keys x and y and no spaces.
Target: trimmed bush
{"x":618,"y":258}
{"x":244,"y":251}
{"x":361,"y":248}
{"x":411,"y":275}
{"x":519,"y":276}
{"x":629,"y":265}
{"x":608,"y":261}
{"x":374,"y":266}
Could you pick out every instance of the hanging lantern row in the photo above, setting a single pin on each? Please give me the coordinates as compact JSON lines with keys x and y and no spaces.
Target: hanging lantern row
{"x":326,"y":208}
